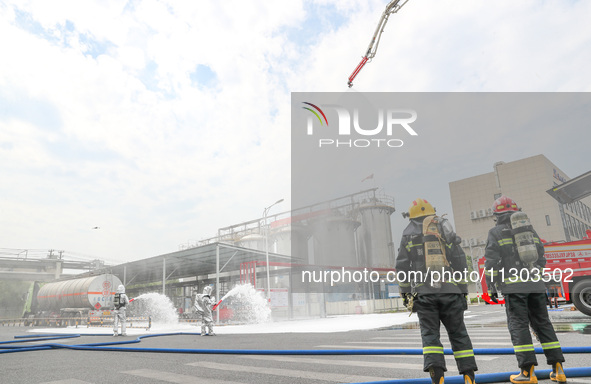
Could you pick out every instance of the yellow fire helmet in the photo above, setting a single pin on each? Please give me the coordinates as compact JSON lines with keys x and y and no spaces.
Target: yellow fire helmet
{"x":420,"y":208}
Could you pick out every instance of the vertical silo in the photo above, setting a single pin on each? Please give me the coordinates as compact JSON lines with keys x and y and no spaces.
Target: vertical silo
{"x":253,"y":241}
{"x":291,"y":240}
{"x":376,"y":249}
{"x":334,"y":241}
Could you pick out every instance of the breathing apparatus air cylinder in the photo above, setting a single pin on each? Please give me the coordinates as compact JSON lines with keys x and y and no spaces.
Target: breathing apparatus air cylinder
{"x":434,"y":244}
{"x":523,"y":236}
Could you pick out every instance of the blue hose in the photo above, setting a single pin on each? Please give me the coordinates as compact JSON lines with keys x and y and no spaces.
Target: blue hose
{"x":109,"y":346}
{"x":39,"y":337}
{"x":499,"y":377}
{"x":308,"y":352}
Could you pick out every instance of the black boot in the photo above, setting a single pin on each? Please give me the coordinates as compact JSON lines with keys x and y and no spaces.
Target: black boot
{"x":557,"y":373}
{"x":436,"y":375}
{"x":469,"y":377}
{"x":526,"y":376}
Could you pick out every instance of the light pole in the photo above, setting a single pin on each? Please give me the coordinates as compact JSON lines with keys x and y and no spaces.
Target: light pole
{"x":265,"y":212}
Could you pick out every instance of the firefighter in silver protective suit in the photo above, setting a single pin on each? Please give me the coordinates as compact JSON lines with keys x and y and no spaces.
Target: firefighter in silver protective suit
{"x":120,"y":302}
{"x":203,"y":307}
{"x":514,"y":266}
{"x":429,"y":255}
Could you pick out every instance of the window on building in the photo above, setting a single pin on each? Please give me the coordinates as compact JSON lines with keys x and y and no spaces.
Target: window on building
{"x":582,"y":229}
{"x":570,"y":225}
{"x":573,"y":226}
{"x":548,"y":220}
{"x":564,"y":222}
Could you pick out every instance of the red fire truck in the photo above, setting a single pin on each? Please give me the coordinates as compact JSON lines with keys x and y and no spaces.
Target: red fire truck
{"x":569,"y":264}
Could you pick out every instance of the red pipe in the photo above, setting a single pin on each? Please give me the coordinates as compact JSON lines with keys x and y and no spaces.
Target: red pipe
{"x":356,"y":71}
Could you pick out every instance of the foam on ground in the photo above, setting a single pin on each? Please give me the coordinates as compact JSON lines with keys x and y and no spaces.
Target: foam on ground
{"x":322,"y":325}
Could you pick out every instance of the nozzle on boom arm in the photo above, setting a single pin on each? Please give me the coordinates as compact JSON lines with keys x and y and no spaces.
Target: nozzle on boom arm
{"x":392,"y":7}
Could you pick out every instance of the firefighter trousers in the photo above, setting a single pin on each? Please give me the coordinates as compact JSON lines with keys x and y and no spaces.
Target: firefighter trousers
{"x":206,"y":324}
{"x":119,"y":317}
{"x":522,"y":310}
{"x":446,"y":308}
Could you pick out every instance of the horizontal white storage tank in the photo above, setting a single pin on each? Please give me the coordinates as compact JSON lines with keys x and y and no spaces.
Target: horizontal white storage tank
{"x":90,"y":292}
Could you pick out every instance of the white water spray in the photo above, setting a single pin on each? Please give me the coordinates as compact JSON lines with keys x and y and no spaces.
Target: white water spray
{"x":158,"y":306}
{"x":247,"y":304}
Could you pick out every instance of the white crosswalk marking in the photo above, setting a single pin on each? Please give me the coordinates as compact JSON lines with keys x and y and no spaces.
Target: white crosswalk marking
{"x":578,"y":381}
{"x":418,"y":344}
{"x":418,"y":337}
{"x":347,"y":363}
{"x":480,"y":357}
{"x":470,"y":330}
{"x":504,"y":331}
{"x":336,"y":377}
{"x":176,"y":378}
{"x":351,"y":347}
{"x":496,"y":337}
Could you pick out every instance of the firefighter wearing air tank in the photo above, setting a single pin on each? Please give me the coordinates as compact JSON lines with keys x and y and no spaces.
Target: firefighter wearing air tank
{"x":120,"y":302}
{"x":514,"y":261}
{"x":429,"y":247}
{"x":203,"y":307}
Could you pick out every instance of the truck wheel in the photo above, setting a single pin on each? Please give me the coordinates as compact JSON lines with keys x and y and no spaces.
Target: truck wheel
{"x":582,"y":296}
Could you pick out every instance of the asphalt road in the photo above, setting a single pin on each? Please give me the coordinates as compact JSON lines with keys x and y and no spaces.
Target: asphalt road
{"x":487,"y":328}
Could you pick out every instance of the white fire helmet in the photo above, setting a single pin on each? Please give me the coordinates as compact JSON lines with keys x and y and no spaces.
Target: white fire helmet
{"x":207,"y":290}
{"x":121,"y":289}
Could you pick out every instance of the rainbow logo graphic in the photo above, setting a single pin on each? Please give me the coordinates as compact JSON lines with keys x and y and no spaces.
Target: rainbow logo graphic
{"x":315,"y":113}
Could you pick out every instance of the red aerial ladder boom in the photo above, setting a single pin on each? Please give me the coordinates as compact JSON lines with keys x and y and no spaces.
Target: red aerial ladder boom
{"x":392,"y":7}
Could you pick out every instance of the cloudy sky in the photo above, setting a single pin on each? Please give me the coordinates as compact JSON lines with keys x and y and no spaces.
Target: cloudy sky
{"x":161,"y":121}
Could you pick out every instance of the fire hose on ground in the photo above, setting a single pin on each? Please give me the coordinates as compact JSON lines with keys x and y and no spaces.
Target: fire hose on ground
{"x":9,"y":347}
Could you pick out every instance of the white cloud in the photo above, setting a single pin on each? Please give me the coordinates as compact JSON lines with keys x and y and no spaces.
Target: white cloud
{"x":129,"y":142}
